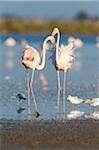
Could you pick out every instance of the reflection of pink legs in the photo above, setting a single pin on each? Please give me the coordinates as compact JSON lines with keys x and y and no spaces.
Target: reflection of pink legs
{"x":23,"y":117}
{"x":43,"y":80}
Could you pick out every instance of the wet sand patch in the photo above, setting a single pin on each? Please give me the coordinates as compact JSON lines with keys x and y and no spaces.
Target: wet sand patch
{"x":49,"y":135}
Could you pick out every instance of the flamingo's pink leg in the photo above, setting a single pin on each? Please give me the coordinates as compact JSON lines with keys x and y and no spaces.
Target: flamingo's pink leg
{"x":58,"y":98}
{"x":64,"y":88}
{"x":28,"y":102}
{"x":33,"y":97}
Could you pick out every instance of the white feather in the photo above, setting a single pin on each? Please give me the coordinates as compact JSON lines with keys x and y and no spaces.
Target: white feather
{"x":65,"y":56}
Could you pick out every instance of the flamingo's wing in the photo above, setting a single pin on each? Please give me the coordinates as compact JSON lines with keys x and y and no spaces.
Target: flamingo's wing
{"x":60,"y":50}
{"x":31,"y":57}
{"x":66,"y":56}
{"x":31,"y":52}
{"x":66,"y":47}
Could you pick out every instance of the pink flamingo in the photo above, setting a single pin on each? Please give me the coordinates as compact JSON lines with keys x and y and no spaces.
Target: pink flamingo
{"x":31,"y":60}
{"x":63,"y":61}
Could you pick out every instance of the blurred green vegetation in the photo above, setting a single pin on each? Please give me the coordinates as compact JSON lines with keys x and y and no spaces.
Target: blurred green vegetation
{"x":45,"y":26}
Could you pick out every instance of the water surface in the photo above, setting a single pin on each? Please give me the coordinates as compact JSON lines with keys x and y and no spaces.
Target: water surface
{"x":82,"y":78}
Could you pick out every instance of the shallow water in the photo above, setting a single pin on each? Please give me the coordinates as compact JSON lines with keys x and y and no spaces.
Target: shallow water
{"x":82,"y":79}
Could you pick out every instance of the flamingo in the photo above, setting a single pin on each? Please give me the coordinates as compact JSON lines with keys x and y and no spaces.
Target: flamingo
{"x":63,"y":61}
{"x":10,"y":42}
{"x":78,"y":43}
{"x":31,"y":60}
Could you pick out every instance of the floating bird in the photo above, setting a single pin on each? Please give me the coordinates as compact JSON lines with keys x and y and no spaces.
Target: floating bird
{"x":63,"y":59}
{"x":75,"y":100}
{"x":31,"y":60}
{"x":93,"y":102}
{"x":75,"y":114}
{"x":93,"y":115}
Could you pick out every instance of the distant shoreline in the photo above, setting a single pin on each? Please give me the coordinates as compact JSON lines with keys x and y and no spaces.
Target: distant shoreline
{"x":45,"y":26}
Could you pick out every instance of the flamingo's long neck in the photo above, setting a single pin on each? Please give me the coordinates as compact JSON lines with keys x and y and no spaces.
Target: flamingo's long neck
{"x":42,"y":65}
{"x":57,"y":46}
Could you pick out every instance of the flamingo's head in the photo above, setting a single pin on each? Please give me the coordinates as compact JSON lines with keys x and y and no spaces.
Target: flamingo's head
{"x":55,"y":31}
{"x":47,"y":41}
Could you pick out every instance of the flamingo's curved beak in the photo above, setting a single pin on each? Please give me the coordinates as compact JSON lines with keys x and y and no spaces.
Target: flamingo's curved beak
{"x":53,"y":42}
